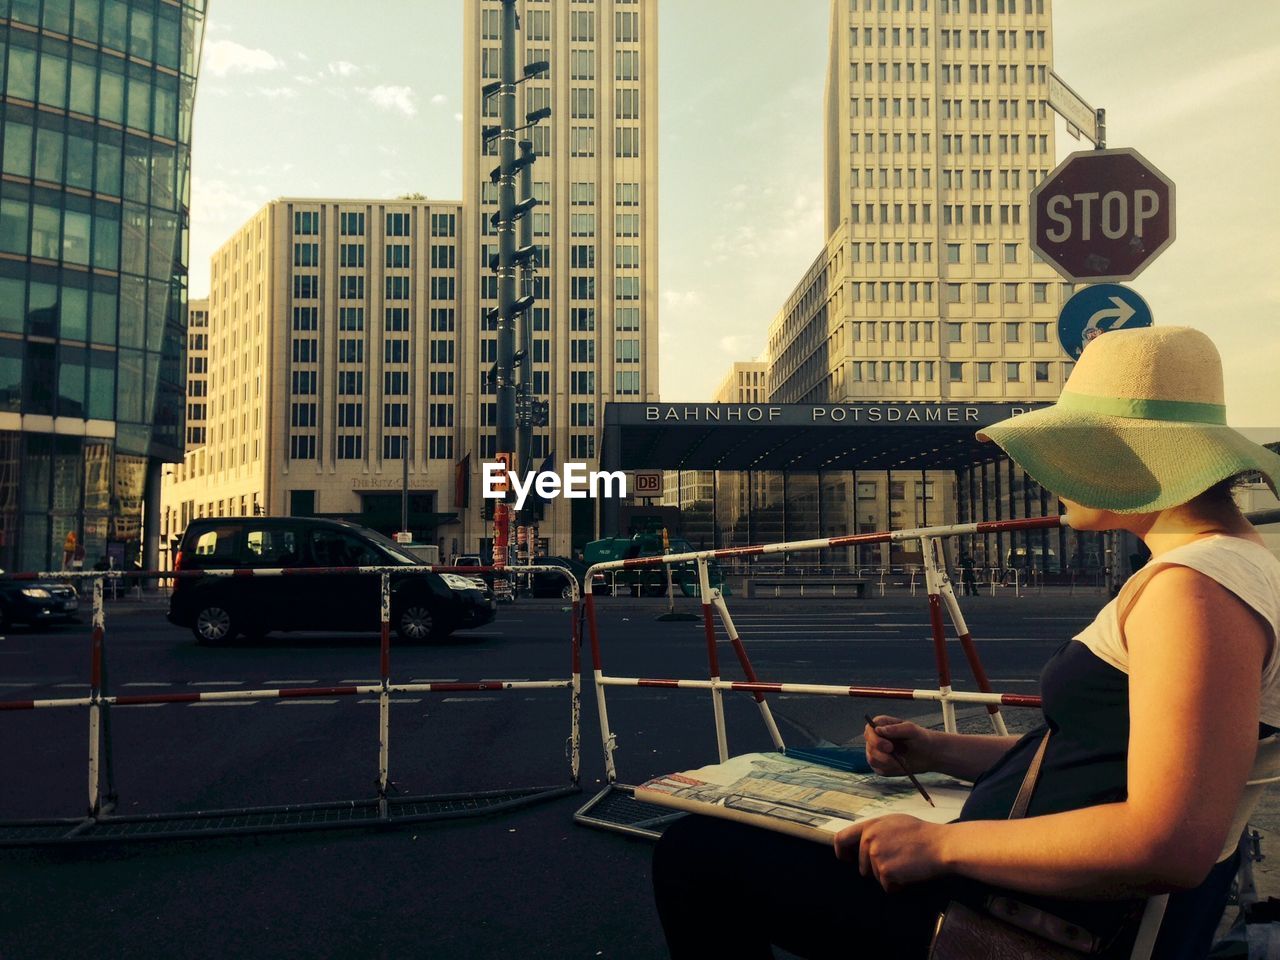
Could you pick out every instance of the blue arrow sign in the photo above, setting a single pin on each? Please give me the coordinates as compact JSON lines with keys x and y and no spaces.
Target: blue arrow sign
{"x":1097,"y":309}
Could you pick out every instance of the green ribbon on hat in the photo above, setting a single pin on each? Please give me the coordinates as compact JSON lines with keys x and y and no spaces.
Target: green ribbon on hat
{"x":1184,"y":411}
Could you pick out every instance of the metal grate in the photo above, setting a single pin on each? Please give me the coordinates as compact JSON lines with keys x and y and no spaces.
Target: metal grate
{"x":616,"y":808}
{"x":318,"y":816}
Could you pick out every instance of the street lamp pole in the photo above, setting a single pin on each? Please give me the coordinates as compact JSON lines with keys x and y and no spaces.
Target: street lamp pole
{"x":504,"y":386}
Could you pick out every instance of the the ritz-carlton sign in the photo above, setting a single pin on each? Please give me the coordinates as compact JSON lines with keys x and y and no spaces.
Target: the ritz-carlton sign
{"x":797,"y":414}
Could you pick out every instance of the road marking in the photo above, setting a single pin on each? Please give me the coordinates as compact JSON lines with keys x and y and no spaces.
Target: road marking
{"x":302,"y":703}
{"x":282,"y":683}
{"x":504,"y":679}
{"x":16,"y":686}
{"x":223,"y":703}
{"x":434,"y":680}
{"x":144,"y":683}
{"x":137,"y":706}
{"x":216,"y":683}
{"x":395,"y":700}
{"x":74,"y":686}
{"x":375,"y":680}
{"x":468,"y":699}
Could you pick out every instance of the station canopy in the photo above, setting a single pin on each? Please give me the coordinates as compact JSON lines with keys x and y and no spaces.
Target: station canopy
{"x":800,"y":436}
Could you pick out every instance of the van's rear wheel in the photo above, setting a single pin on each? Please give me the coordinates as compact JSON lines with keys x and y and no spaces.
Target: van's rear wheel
{"x":214,"y":624}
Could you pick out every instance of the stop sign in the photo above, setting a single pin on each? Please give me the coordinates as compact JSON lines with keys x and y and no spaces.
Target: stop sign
{"x":1102,"y":215}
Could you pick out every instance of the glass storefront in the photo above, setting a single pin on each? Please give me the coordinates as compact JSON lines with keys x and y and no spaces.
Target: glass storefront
{"x":95,"y":133}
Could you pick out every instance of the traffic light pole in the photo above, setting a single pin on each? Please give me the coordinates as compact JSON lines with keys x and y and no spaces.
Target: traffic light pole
{"x":524,"y":371}
{"x":504,"y":387}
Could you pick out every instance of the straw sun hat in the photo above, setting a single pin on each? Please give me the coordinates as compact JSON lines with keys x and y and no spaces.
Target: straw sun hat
{"x":1140,"y":426}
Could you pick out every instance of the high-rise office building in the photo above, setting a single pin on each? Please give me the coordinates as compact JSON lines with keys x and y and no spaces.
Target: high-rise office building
{"x":97,"y":107}
{"x":595,"y":324}
{"x":333,"y":339}
{"x":937,"y":129}
{"x":744,"y":383}
{"x":197,"y":371}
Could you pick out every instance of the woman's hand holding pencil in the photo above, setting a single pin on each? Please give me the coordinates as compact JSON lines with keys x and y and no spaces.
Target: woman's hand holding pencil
{"x":897,"y":748}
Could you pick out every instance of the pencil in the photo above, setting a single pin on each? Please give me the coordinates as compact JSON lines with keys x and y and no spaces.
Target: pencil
{"x":923,"y":792}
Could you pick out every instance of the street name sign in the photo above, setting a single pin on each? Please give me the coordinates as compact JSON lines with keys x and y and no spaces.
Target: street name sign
{"x":1072,"y":107}
{"x":1099,"y":309}
{"x":1102,"y":215}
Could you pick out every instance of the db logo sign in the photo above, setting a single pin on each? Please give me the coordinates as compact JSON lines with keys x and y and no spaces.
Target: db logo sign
{"x":647,"y":483}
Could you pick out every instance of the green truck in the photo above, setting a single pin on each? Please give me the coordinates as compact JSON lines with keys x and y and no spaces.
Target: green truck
{"x":651,"y":581}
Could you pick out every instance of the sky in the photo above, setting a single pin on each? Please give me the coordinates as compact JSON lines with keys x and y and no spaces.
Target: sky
{"x":294,"y":100}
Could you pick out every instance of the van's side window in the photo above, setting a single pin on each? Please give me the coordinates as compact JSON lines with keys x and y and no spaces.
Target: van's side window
{"x":272,"y":546}
{"x":218,"y":542}
{"x":330,"y":548}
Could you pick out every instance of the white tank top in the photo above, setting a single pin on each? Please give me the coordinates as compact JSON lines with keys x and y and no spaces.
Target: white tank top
{"x":1247,"y":569}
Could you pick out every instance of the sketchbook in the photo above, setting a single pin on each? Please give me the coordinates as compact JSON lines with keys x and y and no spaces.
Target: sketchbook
{"x":795,"y":797}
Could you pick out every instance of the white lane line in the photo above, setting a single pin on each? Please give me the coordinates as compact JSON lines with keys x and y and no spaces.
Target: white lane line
{"x":504,"y":679}
{"x":283,"y":683}
{"x":71,"y":686}
{"x":395,"y":700}
{"x":468,"y":699}
{"x":137,"y":706}
{"x":224,"y":703}
{"x":302,"y":703}
{"x":216,"y":683}
{"x":145,"y":683}
{"x":434,"y":680}
{"x":18,"y":686}
{"x":359,"y":682}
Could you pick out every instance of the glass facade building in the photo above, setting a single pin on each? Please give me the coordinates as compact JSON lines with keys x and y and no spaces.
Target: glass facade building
{"x":95,"y":135}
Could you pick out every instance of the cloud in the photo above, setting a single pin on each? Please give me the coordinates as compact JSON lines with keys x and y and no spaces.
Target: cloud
{"x":278,"y":93}
{"x":393,"y":98}
{"x":458,"y":117}
{"x":439,"y":99}
{"x":221,"y":203}
{"x":1211,"y":87}
{"x":677,"y":299}
{"x":342,"y":68}
{"x":223,"y":57}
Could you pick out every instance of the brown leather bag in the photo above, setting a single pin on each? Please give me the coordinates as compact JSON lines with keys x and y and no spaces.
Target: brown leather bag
{"x":1007,"y":929}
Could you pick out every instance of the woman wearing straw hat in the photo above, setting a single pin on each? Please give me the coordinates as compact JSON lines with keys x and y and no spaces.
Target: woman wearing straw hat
{"x":1153,"y":711}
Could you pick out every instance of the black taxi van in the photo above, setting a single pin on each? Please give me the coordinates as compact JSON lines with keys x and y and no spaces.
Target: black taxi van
{"x":424,"y":605}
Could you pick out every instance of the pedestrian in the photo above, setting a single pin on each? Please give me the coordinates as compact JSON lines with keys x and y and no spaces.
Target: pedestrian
{"x":968,"y":581}
{"x":1120,"y":810}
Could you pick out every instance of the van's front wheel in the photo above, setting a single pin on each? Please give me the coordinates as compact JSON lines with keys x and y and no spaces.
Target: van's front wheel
{"x":214,"y":624}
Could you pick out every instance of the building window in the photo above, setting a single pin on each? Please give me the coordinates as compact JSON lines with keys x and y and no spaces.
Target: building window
{"x":626,"y":288}
{"x":582,"y":319}
{"x":626,"y":142}
{"x":1042,"y":372}
{"x":306,"y":287}
{"x":582,"y":382}
{"x":626,"y":319}
{"x":626,"y":382}
{"x":394,"y":447}
{"x":350,"y":415}
{"x":1041,"y":331}
{"x":351,"y":224}
{"x":1013,"y":372}
{"x":398,"y":225}
{"x":306,"y":318}
{"x":302,"y":447}
{"x":982,"y":332}
{"x":626,"y":351}
{"x":626,"y":194}
{"x":582,"y":351}
{"x":306,"y":222}
{"x":396,"y":319}
{"x":351,"y":255}
{"x":395,"y":383}
{"x":396,"y":256}
{"x":626,"y":65}
{"x":351,"y":287}
{"x":955,"y":372}
{"x":1013,"y":333}
{"x":440,"y":447}
{"x":582,"y":141}
{"x":954,"y":293}
{"x":350,"y":383}
{"x":984,"y":372}
{"x":982,"y":293}
{"x":349,"y":447}
{"x":351,"y":318}
{"x":582,"y":447}
{"x":955,"y":332}
{"x":303,"y":383}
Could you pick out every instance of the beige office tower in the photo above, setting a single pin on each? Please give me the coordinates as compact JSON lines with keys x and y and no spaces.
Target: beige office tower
{"x":744,"y":383}
{"x":333,"y":337}
{"x":595,"y":323}
{"x":197,"y":371}
{"x":937,"y":129}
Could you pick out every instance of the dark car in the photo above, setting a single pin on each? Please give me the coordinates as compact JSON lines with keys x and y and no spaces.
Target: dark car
{"x":37,"y":602}
{"x":547,"y":584}
{"x":424,"y":605}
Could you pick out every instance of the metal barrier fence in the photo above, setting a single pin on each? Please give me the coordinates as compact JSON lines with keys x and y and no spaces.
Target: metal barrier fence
{"x":622,"y":813}
{"x":98,"y":823}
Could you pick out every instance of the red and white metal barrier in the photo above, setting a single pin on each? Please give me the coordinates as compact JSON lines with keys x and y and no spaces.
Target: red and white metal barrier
{"x":940,"y":596}
{"x":99,"y":701}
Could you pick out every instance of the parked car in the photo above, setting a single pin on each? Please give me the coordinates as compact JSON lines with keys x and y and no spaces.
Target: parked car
{"x":424,"y":605}
{"x":37,"y":603}
{"x":547,"y":584}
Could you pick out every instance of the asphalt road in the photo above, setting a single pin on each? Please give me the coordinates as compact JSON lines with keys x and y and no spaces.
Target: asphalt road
{"x":528,"y":883}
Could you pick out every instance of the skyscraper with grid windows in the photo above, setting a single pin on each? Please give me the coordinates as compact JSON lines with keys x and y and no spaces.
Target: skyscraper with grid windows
{"x":595,"y":322}
{"x":937,"y":129}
